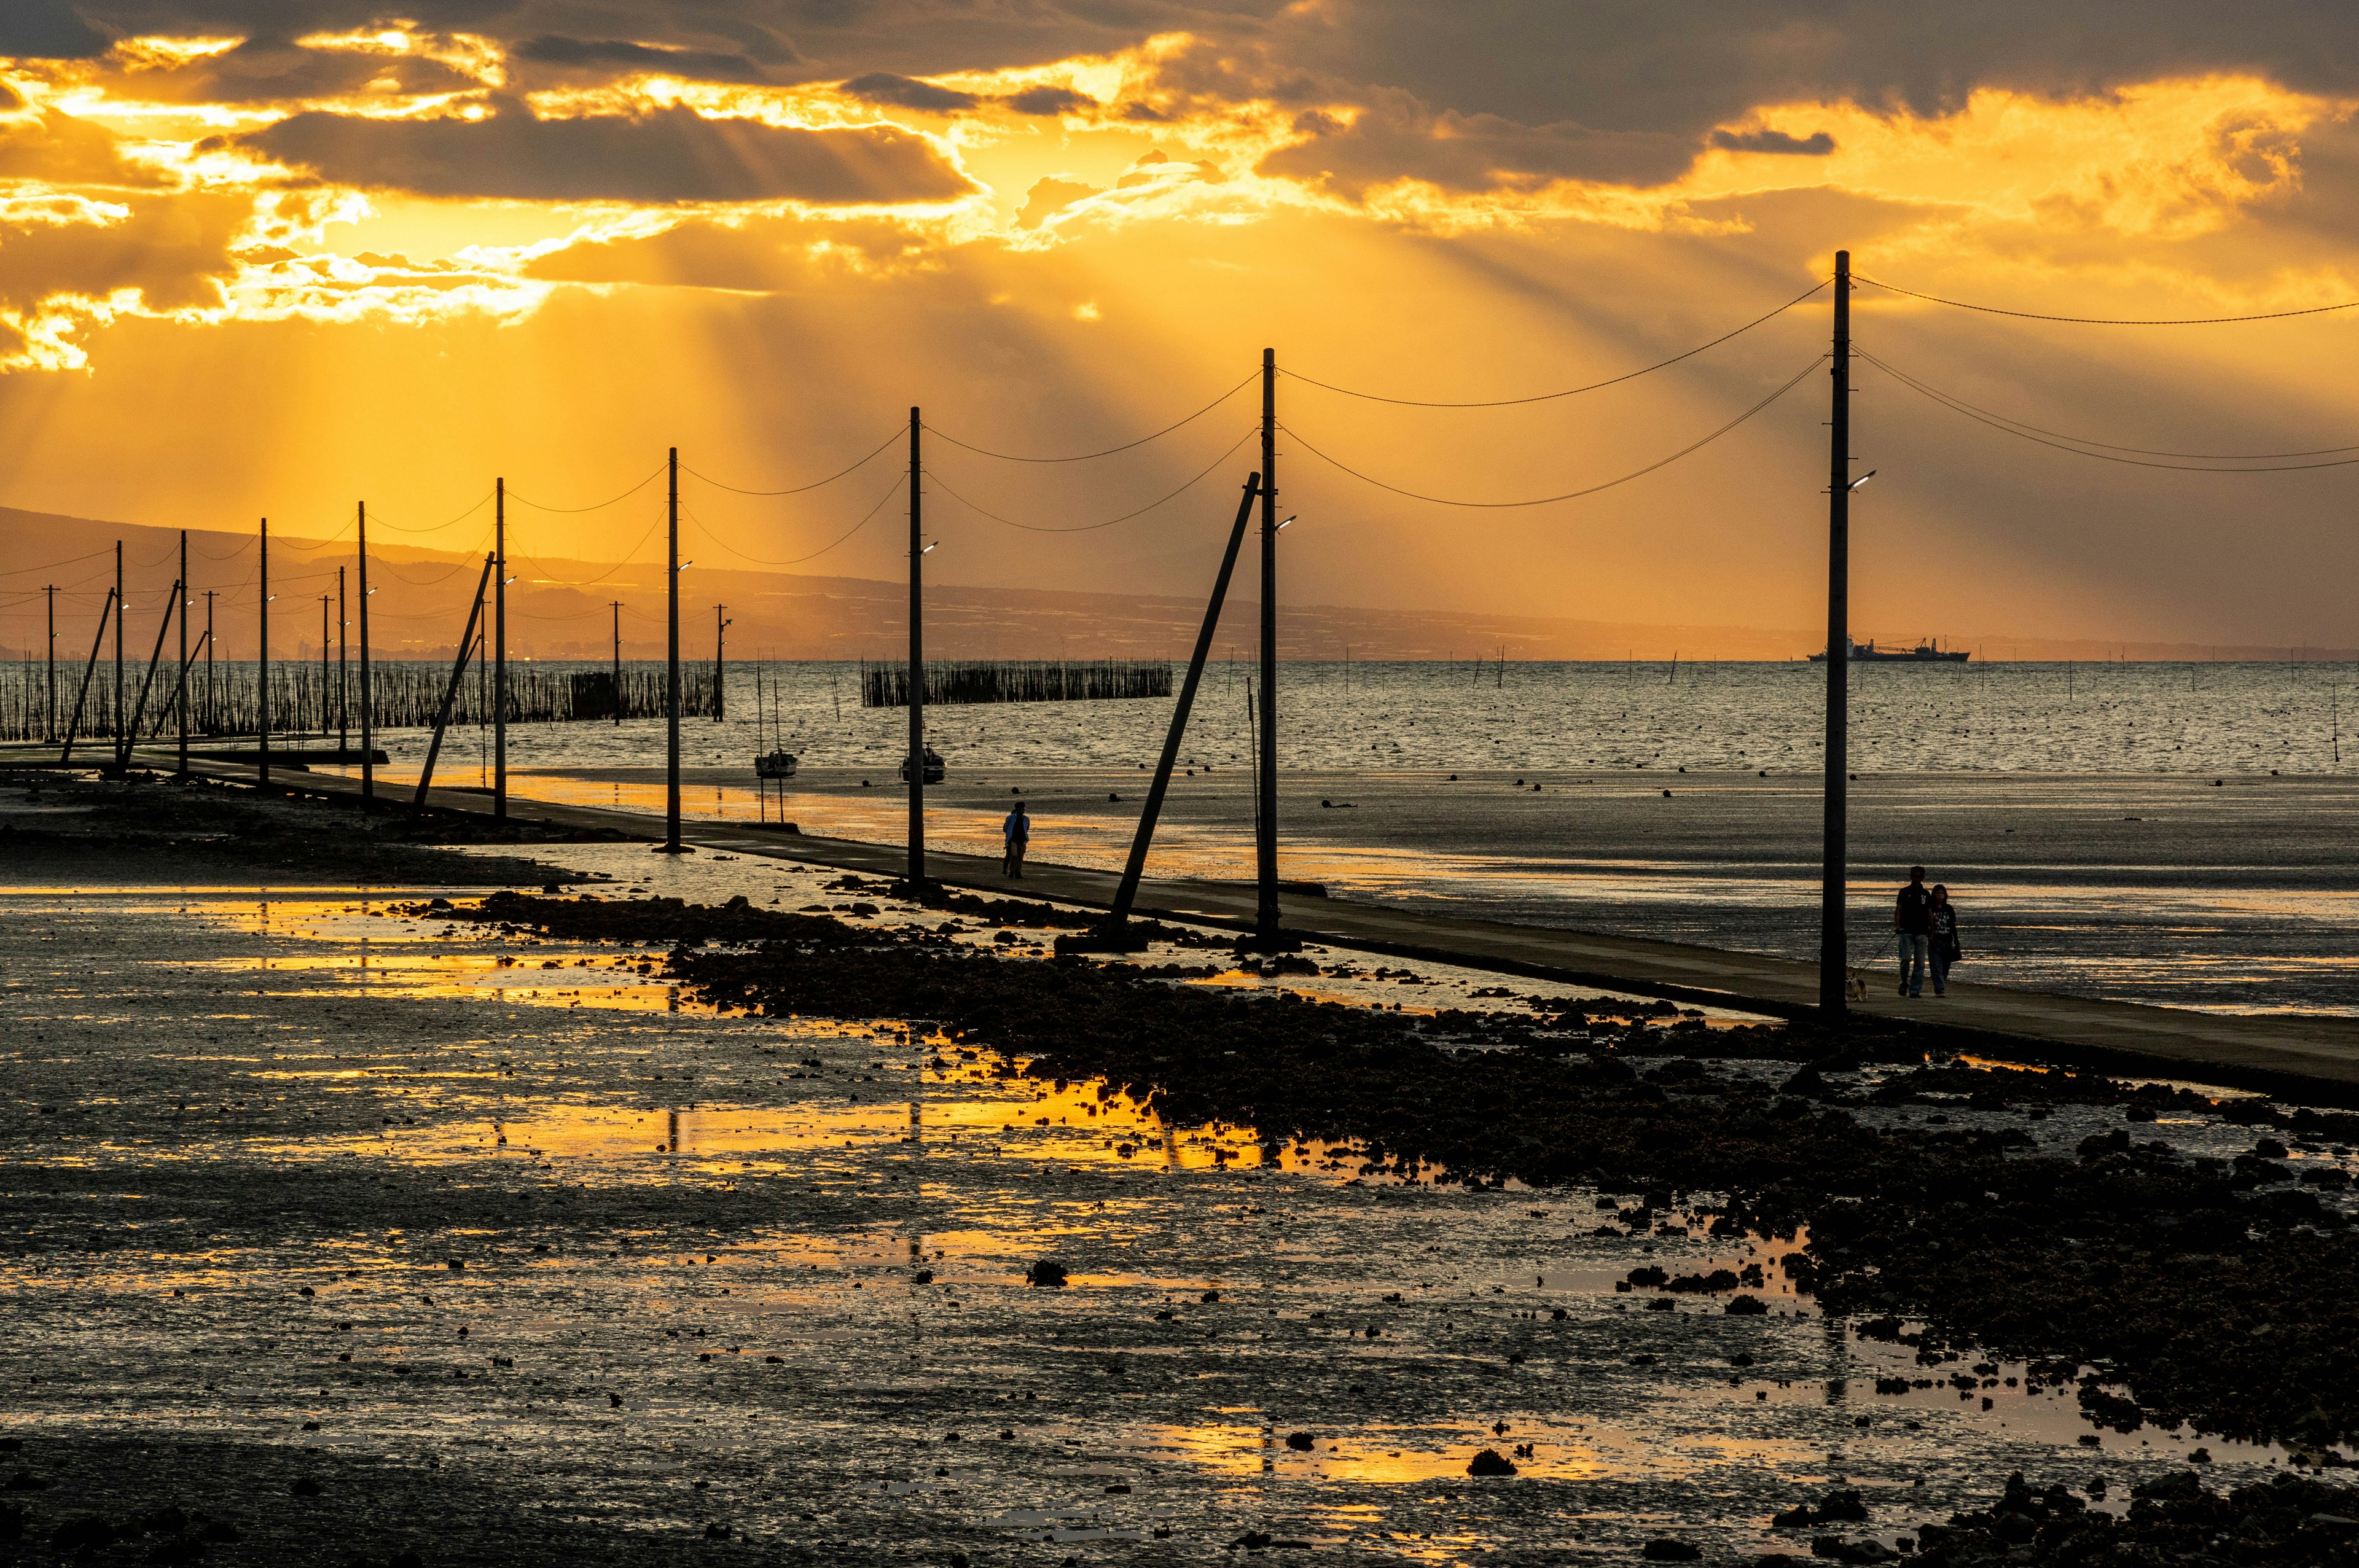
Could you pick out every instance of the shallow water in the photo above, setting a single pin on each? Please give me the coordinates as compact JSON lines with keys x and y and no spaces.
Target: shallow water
{"x":2120,"y":885}
{"x":1974,"y":717}
{"x":691,"y":1255}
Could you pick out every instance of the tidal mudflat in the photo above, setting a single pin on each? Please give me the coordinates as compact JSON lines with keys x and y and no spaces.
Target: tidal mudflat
{"x":343,"y":1225}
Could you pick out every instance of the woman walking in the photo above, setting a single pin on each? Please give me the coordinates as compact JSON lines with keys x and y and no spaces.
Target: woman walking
{"x":1942,"y":920}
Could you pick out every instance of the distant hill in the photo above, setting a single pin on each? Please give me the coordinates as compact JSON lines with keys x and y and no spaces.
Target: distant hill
{"x":563,"y":609}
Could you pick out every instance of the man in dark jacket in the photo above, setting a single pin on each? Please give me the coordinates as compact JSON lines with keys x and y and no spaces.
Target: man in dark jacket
{"x":1911,"y":917}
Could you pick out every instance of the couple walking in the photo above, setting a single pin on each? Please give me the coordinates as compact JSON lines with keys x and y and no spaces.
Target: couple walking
{"x":1927,"y":926}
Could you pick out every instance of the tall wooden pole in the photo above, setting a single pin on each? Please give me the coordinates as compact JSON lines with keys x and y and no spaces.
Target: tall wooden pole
{"x":917,"y":673}
{"x":344,"y":675}
{"x":118,"y":644}
{"x":324,"y":600}
{"x":1266,"y":918}
{"x":49,"y":731}
{"x":671,"y":680}
{"x":617,"y":606}
{"x":500,"y":649}
{"x":1834,"y":951}
{"x":720,"y":708}
{"x":368,"y":702}
{"x":180,"y":697}
{"x":261,"y":665}
{"x":212,"y":706}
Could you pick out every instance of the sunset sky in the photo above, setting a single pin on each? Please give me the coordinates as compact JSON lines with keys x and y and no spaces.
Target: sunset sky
{"x":271,"y":256}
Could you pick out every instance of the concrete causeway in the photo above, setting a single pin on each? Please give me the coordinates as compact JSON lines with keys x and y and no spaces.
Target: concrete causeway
{"x":2291,"y":1053}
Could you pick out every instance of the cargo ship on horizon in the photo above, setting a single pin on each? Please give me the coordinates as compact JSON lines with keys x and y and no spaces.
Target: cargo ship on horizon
{"x":1867,"y":652}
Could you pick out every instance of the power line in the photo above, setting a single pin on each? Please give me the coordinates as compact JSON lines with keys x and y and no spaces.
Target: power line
{"x":599,"y":506}
{"x":1960,"y":403}
{"x":609,"y":571}
{"x":1998,"y":423}
{"x":1570,"y":391}
{"x":1109,"y":451}
{"x":1570,"y":494}
{"x":19,"y":572}
{"x":706,"y":529}
{"x":2107,"y":321}
{"x":1092,"y":527}
{"x":814,"y":484}
{"x":380,"y":519}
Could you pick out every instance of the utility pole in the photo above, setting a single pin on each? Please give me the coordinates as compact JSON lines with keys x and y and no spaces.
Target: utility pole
{"x":617,"y":605}
{"x":118,"y":648}
{"x":1833,"y":950}
{"x":213,"y":708}
{"x":261,"y":662}
{"x":916,"y":675}
{"x":49,"y":731}
{"x":344,"y":675}
{"x":324,"y":668}
{"x":368,"y":706}
{"x":500,"y":650}
{"x":1266,"y":918}
{"x":671,"y":844}
{"x":181,"y":693}
{"x":719,"y":626}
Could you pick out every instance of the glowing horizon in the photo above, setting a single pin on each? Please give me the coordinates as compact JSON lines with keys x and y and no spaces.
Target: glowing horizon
{"x":246,"y":272}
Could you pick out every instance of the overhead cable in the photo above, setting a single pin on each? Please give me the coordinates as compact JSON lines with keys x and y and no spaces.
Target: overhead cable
{"x":899,"y":480}
{"x":1570,"y":494}
{"x":598,"y":506}
{"x":2025,"y":433}
{"x":1092,"y":527}
{"x":1106,"y":452}
{"x":798,"y":490}
{"x":2107,"y":321}
{"x":380,"y":520}
{"x":1955,"y":401}
{"x":70,"y":560}
{"x":1570,"y":391}
{"x":602,"y":577}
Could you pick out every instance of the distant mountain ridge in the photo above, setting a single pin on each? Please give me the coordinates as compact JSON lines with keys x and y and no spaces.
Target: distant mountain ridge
{"x":563,"y":609}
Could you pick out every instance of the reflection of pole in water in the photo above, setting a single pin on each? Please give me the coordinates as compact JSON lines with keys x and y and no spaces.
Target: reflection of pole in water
{"x":671,"y":1135}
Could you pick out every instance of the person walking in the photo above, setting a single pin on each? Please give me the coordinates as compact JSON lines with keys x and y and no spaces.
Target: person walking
{"x":1018,"y":832}
{"x":1911,"y":918}
{"x":1941,"y":936}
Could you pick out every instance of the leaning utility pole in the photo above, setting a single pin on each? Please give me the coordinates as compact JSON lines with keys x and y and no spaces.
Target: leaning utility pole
{"x":671,"y":680}
{"x":368,"y":706}
{"x":916,"y":763}
{"x":1834,"y":951}
{"x":500,"y":649}
{"x":1265,"y":917}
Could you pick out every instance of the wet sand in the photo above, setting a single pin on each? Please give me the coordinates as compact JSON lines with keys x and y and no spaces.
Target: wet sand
{"x":599,"y":1274}
{"x":2152,"y":888}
